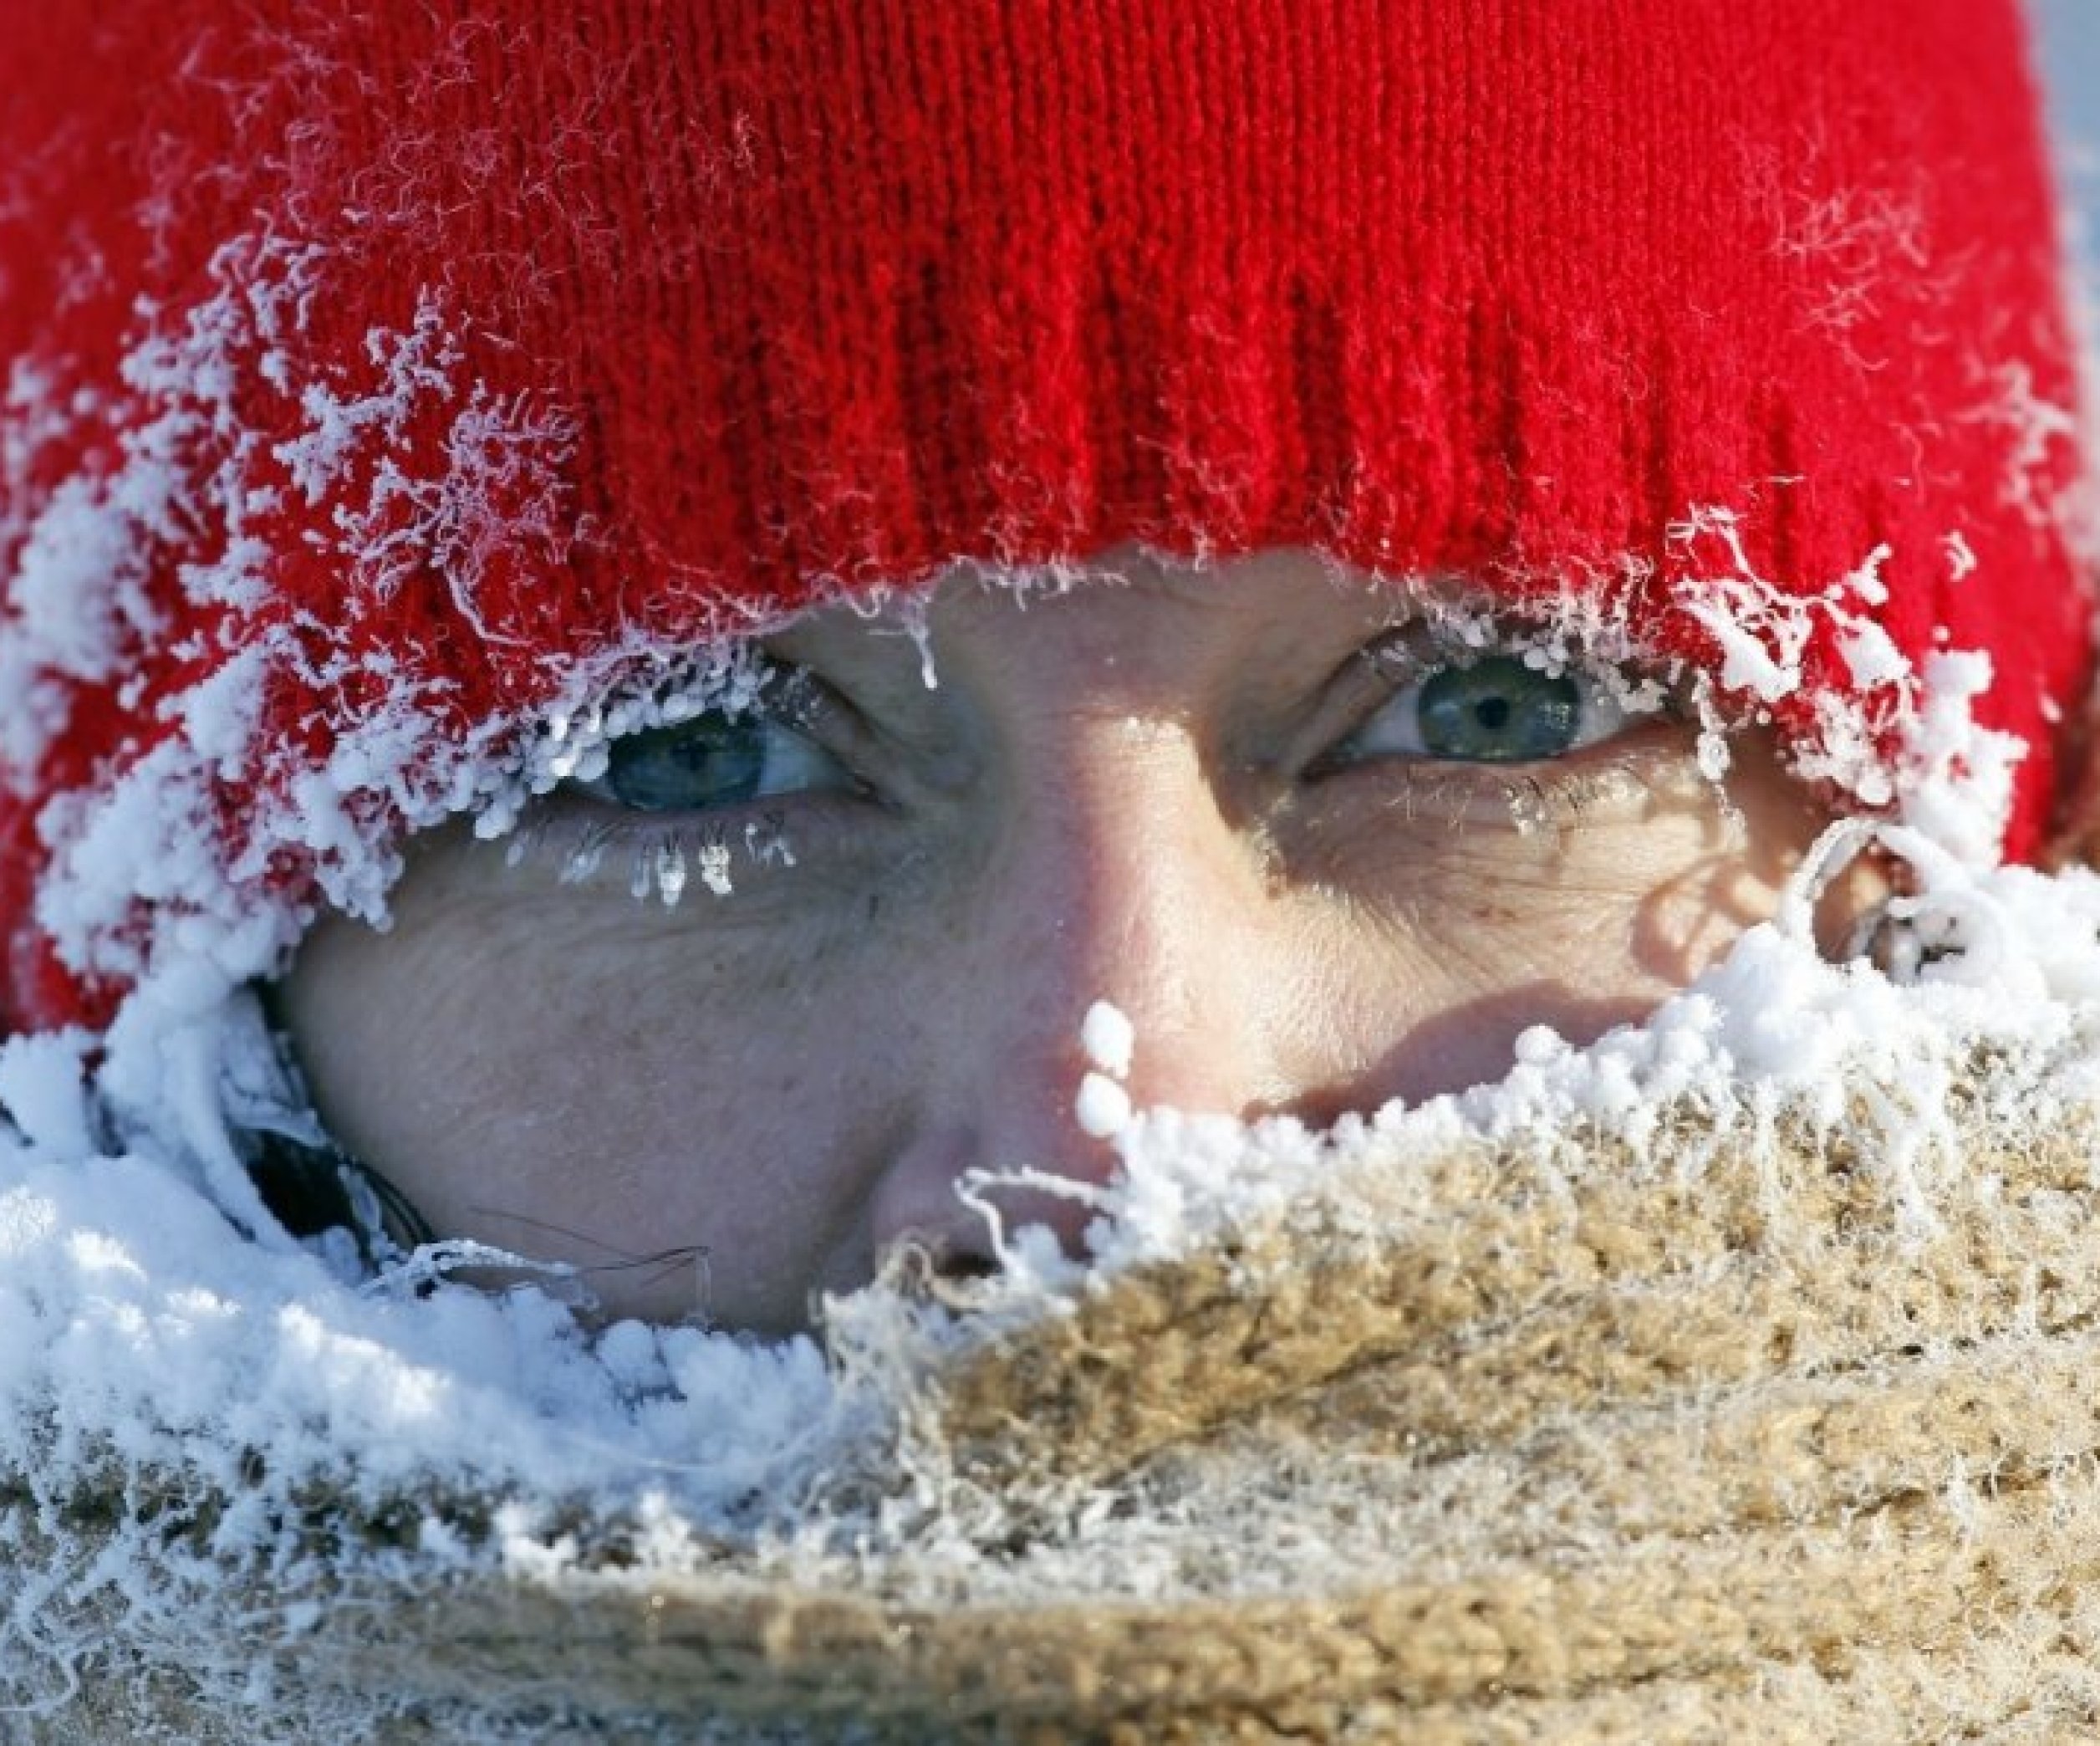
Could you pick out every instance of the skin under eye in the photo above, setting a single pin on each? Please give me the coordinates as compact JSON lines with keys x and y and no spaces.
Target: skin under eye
{"x":714,"y":761}
{"x":1496,"y":710}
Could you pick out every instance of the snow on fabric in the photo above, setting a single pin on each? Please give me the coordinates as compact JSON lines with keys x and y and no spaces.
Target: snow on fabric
{"x":226,"y":1453}
{"x":178,"y":859}
{"x":292,"y":379}
{"x":252,"y":1492}
{"x":210,"y":1423}
{"x":157,"y":846}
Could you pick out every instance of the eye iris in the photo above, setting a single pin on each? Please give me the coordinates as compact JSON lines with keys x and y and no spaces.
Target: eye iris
{"x":1499,"y":711}
{"x":707,"y":762}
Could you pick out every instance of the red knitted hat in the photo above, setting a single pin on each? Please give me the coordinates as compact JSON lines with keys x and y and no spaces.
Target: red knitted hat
{"x":387,"y":382}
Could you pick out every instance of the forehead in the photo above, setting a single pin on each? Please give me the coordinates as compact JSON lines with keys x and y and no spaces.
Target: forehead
{"x":1129,"y":615}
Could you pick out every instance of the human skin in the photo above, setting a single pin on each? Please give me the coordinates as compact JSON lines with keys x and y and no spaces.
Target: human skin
{"x":1174,"y":791}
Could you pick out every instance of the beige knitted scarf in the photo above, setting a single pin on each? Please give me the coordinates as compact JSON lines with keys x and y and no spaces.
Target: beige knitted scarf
{"x":1780,"y":1420}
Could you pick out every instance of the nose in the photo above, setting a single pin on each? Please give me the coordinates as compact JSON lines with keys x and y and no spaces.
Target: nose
{"x":1116,"y":877}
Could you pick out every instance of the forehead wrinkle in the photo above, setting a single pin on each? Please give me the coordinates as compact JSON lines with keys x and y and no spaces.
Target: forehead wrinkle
{"x":1129,"y":634}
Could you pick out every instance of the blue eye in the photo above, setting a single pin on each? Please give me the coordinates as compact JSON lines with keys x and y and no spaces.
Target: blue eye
{"x":1496,"y":710}
{"x":713,"y":761}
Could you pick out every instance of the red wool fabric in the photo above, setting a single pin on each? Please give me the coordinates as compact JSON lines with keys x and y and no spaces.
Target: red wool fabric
{"x":824,"y":296}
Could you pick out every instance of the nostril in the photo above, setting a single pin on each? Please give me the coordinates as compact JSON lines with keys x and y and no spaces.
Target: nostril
{"x":937,"y":1267}
{"x":960,"y":1265}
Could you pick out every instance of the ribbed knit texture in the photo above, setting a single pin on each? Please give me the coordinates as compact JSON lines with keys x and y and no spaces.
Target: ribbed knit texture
{"x":1753,"y":1432}
{"x":825,"y":296}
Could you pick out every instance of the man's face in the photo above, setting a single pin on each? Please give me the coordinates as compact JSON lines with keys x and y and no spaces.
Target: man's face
{"x":1318,"y":861}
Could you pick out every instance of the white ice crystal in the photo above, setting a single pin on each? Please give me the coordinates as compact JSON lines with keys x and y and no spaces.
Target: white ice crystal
{"x":1108,"y":1038}
{"x":1102,"y":1108}
{"x":153,"y":1319}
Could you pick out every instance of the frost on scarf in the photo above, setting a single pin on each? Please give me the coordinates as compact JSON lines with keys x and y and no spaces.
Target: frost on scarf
{"x":241,"y":1480}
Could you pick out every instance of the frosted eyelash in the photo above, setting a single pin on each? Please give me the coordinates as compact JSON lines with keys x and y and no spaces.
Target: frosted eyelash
{"x":1538,"y":804}
{"x":1424,"y":646}
{"x":664,"y":860}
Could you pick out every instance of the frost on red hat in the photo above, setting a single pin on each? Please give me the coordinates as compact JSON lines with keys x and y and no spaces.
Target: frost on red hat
{"x":386,"y":382}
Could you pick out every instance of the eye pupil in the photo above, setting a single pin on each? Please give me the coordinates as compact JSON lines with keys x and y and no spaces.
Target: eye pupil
{"x":712,"y":762}
{"x":1499,"y":711}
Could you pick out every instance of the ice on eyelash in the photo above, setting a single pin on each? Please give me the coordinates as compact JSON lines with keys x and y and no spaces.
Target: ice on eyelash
{"x":664,"y":866}
{"x":1543,"y":806}
{"x":663,"y":863}
{"x":1539,"y":807}
{"x":1459,"y":640}
{"x":670,"y":874}
{"x":573,"y":741}
{"x":576,"y":744}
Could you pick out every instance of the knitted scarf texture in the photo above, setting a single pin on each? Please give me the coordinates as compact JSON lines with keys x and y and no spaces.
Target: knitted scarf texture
{"x":1630,"y":1400}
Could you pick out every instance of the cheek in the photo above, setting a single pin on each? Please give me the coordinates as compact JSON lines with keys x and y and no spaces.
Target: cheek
{"x":1447,"y":945}
{"x":578,"y":1075}
{"x":567,"y":1072}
